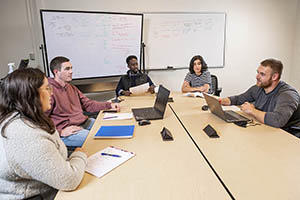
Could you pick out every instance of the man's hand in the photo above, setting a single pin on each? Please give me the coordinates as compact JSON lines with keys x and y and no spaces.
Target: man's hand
{"x":251,"y":110}
{"x":126,"y":93}
{"x":151,"y":89}
{"x":225,"y":101}
{"x":116,"y":106}
{"x":248,"y":108}
{"x":70,"y":130}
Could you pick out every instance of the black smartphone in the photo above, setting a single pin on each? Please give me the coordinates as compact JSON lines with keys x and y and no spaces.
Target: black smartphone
{"x":210,"y":131}
{"x":116,"y":100}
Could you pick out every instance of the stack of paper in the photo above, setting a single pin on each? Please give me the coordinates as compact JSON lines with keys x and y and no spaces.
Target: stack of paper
{"x":194,"y":94}
{"x":233,"y":108}
{"x":117,"y":116}
{"x":140,"y":89}
{"x":106,"y":160}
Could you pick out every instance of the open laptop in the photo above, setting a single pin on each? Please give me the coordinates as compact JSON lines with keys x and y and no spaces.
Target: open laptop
{"x":156,"y":112}
{"x":216,"y":108}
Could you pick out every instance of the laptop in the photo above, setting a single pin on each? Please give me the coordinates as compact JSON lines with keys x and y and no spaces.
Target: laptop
{"x":156,"y":112}
{"x":216,"y":108}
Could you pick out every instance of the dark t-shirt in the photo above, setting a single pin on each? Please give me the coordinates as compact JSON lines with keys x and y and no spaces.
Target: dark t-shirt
{"x":280,"y":105}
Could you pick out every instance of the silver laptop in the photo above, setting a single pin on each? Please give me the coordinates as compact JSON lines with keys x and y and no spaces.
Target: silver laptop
{"x":216,"y":108}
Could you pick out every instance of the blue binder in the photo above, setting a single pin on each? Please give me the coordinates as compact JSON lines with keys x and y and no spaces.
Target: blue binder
{"x":115,"y":132}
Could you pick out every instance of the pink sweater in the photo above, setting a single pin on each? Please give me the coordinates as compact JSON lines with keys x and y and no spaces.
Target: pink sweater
{"x":68,"y":104}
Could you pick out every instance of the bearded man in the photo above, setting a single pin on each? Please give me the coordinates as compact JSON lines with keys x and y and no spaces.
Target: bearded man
{"x":271,"y":101}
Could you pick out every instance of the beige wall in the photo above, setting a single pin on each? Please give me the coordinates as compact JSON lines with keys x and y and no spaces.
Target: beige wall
{"x":295,"y":69}
{"x":255,"y":30}
{"x":15,"y":34}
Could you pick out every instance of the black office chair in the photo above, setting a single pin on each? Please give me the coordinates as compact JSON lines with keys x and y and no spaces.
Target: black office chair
{"x":295,"y":121}
{"x":91,"y":114}
{"x":23,"y":64}
{"x":214,"y":86}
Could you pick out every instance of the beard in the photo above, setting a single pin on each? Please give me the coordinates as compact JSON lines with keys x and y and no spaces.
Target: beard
{"x":265,"y":84}
{"x":135,"y":70}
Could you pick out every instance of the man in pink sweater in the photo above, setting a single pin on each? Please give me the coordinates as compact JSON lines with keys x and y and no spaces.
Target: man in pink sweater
{"x":68,"y":104}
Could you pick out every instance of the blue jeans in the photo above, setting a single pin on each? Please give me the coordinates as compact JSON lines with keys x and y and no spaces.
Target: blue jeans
{"x":77,"y":139}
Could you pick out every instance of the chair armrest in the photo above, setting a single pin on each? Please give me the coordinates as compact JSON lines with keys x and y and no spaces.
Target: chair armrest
{"x":219,"y":90}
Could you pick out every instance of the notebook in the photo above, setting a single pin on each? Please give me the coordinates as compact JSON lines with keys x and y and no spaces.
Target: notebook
{"x":156,"y":112}
{"x":106,"y":160}
{"x":115,"y":132}
{"x":216,"y":108}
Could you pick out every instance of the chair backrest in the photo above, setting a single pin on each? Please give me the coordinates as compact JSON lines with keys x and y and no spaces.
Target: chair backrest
{"x":23,"y":64}
{"x":214,"y":85}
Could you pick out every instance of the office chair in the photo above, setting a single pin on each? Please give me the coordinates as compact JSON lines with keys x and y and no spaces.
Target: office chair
{"x":294,"y":129}
{"x":91,"y":114}
{"x":23,"y":64}
{"x":214,"y":86}
{"x":295,"y":120}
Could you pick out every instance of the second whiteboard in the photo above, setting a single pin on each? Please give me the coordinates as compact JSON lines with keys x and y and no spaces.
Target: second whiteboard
{"x":172,"y":39}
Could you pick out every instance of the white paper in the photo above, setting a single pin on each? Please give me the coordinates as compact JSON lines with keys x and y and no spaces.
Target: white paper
{"x":117,"y":116}
{"x":140,"y":89}
{"x":99,"y":165}
{"x":193,"y":94}
{"x":233,"y":108}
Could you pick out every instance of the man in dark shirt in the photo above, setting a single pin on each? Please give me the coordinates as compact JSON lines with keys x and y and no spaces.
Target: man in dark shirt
{"x":134,"y":77}
{"x":270,"y":101}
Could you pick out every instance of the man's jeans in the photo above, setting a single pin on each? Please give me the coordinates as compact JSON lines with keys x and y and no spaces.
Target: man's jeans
{"x":77,"y":139}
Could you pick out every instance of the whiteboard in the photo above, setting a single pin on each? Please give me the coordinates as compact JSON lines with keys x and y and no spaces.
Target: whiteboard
{"x":172,"y":39}
{"x":96,"y":43}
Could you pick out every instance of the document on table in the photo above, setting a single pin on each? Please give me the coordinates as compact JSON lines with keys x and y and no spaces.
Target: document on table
{"x":193,"y":94}
{"x":140,"y":89}
{"x":117,"y":116}
{"x":106,"y":160}
{"x":233,"y":108}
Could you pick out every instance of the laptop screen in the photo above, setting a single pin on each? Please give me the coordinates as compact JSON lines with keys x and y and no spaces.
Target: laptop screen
{"x":214,"y":106}
{"x":161,"y":99}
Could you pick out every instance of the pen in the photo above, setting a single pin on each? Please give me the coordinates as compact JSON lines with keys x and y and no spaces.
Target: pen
{"x":110,"y":111}
{"x":108,"y":154}
{"x":110,"y":117}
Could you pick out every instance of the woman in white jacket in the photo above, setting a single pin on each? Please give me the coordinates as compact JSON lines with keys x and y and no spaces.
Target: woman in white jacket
{"x":33,"y":161}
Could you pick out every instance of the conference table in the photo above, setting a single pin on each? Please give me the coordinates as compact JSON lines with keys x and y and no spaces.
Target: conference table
{"x":257,"y":162}
{"x":160,"y":169}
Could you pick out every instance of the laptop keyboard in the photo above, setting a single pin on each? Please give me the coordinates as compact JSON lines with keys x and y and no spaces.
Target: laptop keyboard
{"x":143,"y":113}
{"x":231,"y":115}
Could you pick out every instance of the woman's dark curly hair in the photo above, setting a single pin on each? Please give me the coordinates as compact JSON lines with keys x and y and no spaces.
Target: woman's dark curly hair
{"x":203,"y":64}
